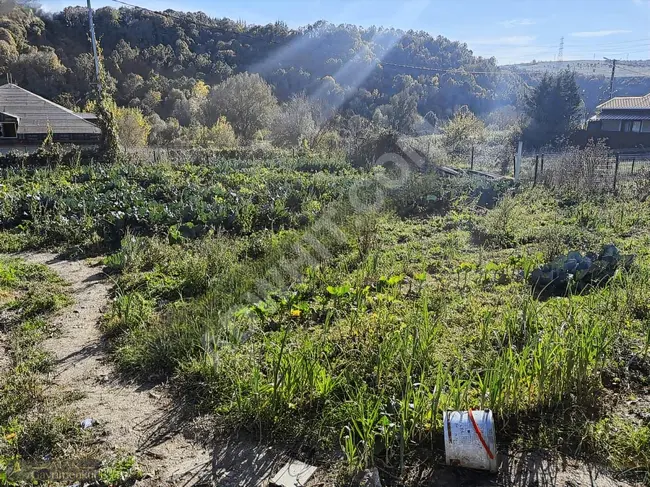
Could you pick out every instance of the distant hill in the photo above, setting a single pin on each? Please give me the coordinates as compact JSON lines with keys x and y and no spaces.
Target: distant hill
{"x":625,"y":69}
{"x":632,"y":77}
{"x":159,"y":62}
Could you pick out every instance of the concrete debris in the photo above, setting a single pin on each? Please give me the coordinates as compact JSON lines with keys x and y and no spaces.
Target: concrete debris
{"x":293,"y":474}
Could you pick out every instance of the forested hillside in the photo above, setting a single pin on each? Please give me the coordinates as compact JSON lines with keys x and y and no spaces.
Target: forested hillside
{"x":159,"y":63}
{"x":162,"y":70}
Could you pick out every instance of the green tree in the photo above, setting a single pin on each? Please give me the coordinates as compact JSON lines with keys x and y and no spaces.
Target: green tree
{"x":553,"y":109}
{"x":246,"y":100}
{"x":163,"y":132}
{"x":294,"y":122}
{"x":41,"y":71}
{"x":132,"y":127}
{"x":404,"y":106}
{"x":462,"y":132}
{"x":220,"y":136}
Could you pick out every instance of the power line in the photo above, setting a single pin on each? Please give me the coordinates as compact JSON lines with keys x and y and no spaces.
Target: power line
{"x":625,"y":68}
{"x":194,"y":21}
{"x":254,"y":37}
{"x":515,"y":74}
{"x":210,"y":26}
{"x":444,"y":70}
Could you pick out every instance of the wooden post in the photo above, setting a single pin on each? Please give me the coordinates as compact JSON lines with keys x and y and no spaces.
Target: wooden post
{"x":518,"y":156}
{"x":536,"y":164}
{"x":542,"y":167}
{"x":633,"y":161}
{"x":616,"y":170}
{"x":471,"y":163}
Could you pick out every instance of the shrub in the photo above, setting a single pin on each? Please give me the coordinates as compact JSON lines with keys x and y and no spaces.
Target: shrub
{"x":462,"y":132}
{"x":220,"y":136}
{"x":578,"y":169}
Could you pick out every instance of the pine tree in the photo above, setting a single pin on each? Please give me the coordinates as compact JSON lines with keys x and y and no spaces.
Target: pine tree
{"x":553,"y":109}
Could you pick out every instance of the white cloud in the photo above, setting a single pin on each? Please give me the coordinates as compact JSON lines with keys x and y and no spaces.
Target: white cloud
{"x":599,"y":33}
{"x":517,"y":22}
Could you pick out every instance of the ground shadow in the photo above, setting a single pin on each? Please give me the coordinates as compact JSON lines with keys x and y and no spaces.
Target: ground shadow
{"x":536,"y":468}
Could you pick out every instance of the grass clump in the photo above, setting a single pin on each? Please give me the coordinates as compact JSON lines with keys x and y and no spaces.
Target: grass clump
{"x":411,"y":317}
{"x":353,"y":330}
{"x":622,"y":443}
{"x":28,"y":430}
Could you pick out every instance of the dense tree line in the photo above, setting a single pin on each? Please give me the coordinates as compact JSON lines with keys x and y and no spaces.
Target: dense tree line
{"x":186,"y":78}
{"x":168,"y":66}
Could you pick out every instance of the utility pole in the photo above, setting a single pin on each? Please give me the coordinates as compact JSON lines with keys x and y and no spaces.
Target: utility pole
{"x":94,"y":43}
{"x":611,"y":80}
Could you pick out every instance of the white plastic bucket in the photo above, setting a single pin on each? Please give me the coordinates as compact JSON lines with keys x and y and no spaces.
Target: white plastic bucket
{"x":463,"y":445}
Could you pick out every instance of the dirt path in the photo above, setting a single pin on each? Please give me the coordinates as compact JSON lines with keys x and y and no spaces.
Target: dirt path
{"x":135,"y":419}
{"x":140,"y":420}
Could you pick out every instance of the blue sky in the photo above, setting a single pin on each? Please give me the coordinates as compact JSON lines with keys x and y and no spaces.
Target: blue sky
{"x":510,"y":30}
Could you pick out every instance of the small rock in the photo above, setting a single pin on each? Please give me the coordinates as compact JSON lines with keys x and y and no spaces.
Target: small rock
{"x":154,"y":395}
{"x":88,"y":423}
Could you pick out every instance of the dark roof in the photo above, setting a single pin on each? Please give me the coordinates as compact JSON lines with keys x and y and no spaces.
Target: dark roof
{"x":627,"y":103}
{"x":620,"y":116}
{"x":36,"y":114}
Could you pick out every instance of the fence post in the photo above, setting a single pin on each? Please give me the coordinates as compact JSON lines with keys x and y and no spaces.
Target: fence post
{"x":633,"y":161}
{"x":616,"y":170}
{"x":542,"y":168}
{"x":518,"y":156}
{"x":471,"y":162}
{"x":536,"y":164}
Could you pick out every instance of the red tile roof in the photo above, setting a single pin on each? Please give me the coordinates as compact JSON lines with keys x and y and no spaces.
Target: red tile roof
{"x":627,"y":103}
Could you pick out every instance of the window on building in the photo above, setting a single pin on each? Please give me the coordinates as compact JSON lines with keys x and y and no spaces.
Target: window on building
{"x":8,"y":130}
{"x":632,"y":126}
{"x":610,"y":125}
{"x":645,"y":127}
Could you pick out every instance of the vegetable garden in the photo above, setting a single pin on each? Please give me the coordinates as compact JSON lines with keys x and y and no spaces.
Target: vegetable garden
{"x":423,"y":303}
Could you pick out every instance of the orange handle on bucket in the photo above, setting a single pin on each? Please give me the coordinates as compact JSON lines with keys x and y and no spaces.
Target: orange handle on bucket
{"x":480,"y":435}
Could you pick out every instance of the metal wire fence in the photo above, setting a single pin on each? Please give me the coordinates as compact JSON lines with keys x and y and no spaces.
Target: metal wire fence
{"x":595,"y":168}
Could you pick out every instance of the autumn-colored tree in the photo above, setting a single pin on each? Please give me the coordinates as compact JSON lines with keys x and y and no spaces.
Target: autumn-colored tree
{"x":462,"y":132}
{"x":220,"y":136}
{"x":132,"y":127}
